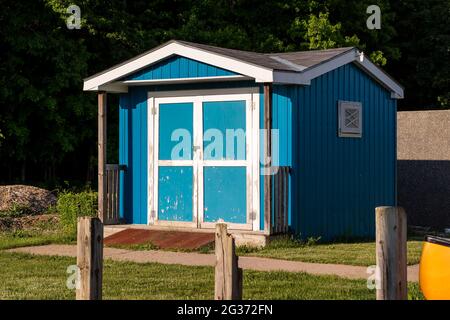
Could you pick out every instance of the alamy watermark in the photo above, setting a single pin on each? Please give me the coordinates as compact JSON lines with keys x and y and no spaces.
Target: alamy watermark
{"x":374,"y":278}
{"x":374,"y":20}
{"x":228,"y":146}
{"x":73,"y":280}
{"x":74,"y":20}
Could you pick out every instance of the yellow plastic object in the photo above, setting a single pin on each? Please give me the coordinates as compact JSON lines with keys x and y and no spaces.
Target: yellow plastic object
{"x":434,"y":272}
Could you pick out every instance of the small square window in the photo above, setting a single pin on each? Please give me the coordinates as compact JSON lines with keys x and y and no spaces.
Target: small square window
{"x":350,"y":119}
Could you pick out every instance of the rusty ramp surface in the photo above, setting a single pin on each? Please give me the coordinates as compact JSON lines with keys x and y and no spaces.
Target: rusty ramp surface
{"x":161,"y":239}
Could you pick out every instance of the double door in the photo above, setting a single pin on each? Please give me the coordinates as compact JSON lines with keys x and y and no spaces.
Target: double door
{"x":203,"y":167}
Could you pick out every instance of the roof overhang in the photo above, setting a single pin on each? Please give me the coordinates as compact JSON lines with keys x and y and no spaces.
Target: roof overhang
{"x":351,"y":56}
{"x":260,"y":74}
{"x":109,"y":80}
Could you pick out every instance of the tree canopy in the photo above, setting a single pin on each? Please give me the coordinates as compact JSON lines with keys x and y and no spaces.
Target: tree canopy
{"x":48,"y":125}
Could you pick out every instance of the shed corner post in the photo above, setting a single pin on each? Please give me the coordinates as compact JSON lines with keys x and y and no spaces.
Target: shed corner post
{"x":267,"y":161}
{"x":101,"y":155}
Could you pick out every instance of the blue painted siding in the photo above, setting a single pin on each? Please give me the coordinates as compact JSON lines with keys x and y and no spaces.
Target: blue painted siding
{"x":178,"y":67}
{"x":338,"y":182}
{"x":133,"y":154}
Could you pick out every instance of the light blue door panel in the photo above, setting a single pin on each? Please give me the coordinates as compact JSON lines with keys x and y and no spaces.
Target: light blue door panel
{"x":224,"y":130}
{"x":175,"y":131}
{"x":225,"y":194}
{"x":175,"y":185}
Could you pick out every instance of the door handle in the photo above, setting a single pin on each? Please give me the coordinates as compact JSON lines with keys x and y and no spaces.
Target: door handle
{"x":195,"y":148}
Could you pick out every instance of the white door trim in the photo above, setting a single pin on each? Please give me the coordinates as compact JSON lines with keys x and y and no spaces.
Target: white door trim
{"x":197,"y":97}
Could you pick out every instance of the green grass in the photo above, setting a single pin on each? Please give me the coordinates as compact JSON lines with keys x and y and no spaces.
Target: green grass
{"x":24,"y":239}
{"x":150,"y":246}
{"x":358,"y":253}
{"x":41,"y":233}
{"x":136,"y":247}
{"x":26,"y":276}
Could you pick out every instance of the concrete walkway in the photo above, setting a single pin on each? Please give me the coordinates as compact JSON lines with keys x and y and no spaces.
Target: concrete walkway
{"x":198,"y":259}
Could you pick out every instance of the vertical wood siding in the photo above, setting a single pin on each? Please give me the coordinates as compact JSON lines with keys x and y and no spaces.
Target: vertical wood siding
{"x":133,"y":154}
{"x":178,"y":67}
{"x":338,"y":182}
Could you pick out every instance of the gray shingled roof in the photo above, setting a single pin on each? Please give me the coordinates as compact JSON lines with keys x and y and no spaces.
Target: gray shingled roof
{"x":302,"y":59}
{"x":288,"y":61}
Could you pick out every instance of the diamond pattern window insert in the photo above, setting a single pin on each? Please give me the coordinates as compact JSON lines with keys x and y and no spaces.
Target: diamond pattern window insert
{"x":350,"y":118}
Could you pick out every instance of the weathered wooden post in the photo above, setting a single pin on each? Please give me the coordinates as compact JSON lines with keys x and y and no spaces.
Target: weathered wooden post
{"x":89,"y":258}
{"x":102,"y":123}
{"x":228,"y":276}
{"x":391,"y":253}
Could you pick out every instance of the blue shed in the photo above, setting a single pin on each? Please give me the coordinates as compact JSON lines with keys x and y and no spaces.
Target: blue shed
{"x":301,"y":142}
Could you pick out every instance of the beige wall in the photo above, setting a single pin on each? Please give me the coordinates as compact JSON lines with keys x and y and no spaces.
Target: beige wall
{"x":423,"y":135}
{"x":423,"y":167}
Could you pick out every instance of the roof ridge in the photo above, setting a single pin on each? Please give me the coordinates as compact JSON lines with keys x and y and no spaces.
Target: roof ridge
{"x":195,"y":44}
{"x":313,"y":50}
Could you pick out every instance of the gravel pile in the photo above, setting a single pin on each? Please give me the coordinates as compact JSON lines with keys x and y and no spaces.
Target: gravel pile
{"x":31,"y":199}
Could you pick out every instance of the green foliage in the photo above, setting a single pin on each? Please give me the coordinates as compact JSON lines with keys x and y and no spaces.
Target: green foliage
{"x":321,"y":34}
{"x":17,"y":210}
{"x":71,"y":205}
{"x":378,"y":58}
{"x":414,"y":292}
{"x":423,"y":38}
{"x":48,"y":124}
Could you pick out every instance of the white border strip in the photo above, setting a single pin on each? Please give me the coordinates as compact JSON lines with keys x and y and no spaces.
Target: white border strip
{"x":260,"y":74}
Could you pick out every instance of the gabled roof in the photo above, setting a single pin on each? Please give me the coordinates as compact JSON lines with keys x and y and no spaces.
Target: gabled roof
{"x":286,"y":68}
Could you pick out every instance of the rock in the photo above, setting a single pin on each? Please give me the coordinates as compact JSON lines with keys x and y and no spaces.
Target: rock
{"x":28,"y":199}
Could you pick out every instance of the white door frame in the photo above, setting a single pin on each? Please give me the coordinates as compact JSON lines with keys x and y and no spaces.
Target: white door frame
{"x":197,"y":97}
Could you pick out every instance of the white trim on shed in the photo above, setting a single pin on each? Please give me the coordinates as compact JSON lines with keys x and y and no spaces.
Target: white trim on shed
{"x":293,"y":73}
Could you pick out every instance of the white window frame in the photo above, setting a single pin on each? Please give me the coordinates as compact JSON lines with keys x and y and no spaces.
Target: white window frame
{"x":343,"y":130}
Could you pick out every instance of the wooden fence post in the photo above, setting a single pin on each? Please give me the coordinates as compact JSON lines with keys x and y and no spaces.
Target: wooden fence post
{"x":89,"y":258}
{"x":391,"y":253}
{"x":228,"y":277}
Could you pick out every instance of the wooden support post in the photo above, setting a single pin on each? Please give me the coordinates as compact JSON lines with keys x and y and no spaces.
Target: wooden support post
{"x":268,"y":158}
{"x":228,"y":277}
{"x":391,"y":253}
{"x":89,"y":258}
{"x":102,"y":155}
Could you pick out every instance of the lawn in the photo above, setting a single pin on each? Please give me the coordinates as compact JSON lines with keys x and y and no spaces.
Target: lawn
{"x":38,"y":230}
{"x":10,"y":240}
{"x":26,"y":276}
{"x":357,"y":253}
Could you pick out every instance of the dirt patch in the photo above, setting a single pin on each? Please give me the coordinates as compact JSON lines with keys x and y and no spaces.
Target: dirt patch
{"x":21,"y":199}
{"x":29,"y":223}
